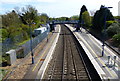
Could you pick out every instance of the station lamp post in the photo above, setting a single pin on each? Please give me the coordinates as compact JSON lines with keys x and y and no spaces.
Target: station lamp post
{"x":31,"y":49}
{"x":104,"y":33}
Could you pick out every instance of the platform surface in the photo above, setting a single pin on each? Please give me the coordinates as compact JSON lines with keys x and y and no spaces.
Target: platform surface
{"x":93,"y":49}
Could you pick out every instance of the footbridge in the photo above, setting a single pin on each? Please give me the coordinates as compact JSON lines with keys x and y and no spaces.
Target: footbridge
{"x":65,"y":22}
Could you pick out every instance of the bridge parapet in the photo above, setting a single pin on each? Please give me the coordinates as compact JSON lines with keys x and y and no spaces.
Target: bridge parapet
{"x":65,"y":22}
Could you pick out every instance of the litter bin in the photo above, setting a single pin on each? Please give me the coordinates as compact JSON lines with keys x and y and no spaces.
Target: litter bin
{"x":11,"y":57}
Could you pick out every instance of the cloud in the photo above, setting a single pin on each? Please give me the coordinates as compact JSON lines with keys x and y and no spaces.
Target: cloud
{"x":60,"y":7}
{"x":12,"y":1}
{"x":46,"y":0}
{"x":24,"y":1}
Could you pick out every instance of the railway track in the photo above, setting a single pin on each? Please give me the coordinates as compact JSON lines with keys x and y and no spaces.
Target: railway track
{"x":66,"y":63}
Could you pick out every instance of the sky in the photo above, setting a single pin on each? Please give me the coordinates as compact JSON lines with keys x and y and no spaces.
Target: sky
{"x":59,"y":8}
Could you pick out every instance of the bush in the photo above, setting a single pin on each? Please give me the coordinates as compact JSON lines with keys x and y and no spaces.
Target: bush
{"x":3,"y":60}
{"x":3,"y":33}
{"x":116,"y":39}
{"x":117,"y":17}
{"x":110,"y":22}
{"x":113,"y":29}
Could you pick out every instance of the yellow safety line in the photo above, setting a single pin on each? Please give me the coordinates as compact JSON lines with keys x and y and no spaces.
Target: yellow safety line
{"x":38,"y":62}
{"x":98,"y":58}
{"x":105,"y":53}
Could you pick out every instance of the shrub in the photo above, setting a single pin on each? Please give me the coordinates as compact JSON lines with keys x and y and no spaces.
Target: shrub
{"x":116,"y":39}
{"x":110,"y":22}
{"x":3,"y":33}
{"x":113,"y":29}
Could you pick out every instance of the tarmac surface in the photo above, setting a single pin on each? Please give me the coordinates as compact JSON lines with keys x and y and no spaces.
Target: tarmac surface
{"x":108,"y":65}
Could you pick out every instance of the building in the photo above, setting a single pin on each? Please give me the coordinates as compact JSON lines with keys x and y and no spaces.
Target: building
{"x":119,"y":8}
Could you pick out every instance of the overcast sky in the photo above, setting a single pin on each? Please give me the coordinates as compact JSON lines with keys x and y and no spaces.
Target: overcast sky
{"x":58,"y":8}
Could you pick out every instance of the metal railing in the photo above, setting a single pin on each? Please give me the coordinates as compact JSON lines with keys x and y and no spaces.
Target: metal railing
{"x":8,"y":44}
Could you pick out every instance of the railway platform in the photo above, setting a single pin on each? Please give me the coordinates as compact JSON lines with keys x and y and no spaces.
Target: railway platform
{"x":61,"y":58}
{"x":108,"y":65}
{"x":43,"y":58}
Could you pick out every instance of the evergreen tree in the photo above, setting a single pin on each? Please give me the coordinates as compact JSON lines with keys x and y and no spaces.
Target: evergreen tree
{"x":83,"y":9}
{"x":99,"y":18}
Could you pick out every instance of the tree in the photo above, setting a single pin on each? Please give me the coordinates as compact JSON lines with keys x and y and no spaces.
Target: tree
{"x":11,"y":23}
{"x":117,"y":17}
{"x":44,"y":18}
{"x":86,"y":18}
{"x":63,"y":18}
{"x":25,"y":31}
{"x":29,"y":15}
{"x":3,"y":33}
{"x":16,"y":22}
{"x":83,"y":9}
{"x":113,"y":29}
{"x":99,"y":18}
{"x":10,"y":19}
{"x":74,"y":17}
